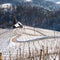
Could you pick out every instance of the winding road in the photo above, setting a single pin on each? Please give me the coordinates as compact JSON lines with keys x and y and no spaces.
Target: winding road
{"x":28,"y":39}
{"x":31,"y":37}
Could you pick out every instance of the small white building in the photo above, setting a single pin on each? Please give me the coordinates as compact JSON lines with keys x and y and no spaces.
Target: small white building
{"x":6,"y":5}
{"x":17,"y":25}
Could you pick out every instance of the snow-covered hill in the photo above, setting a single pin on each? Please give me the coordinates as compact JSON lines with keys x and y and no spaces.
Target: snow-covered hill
{"x":9,"y":43}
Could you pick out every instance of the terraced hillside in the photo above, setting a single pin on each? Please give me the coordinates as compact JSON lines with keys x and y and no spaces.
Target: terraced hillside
{"x":28,"y":39}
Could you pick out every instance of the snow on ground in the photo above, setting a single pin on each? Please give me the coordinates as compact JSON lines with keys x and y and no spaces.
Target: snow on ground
{"x":58,"y":2}
{"x":6,"y":34}
{"x":8,"y":39}
{"x":28,"y":0}
{"x":6,"y":5}
{"x":5,"y":38}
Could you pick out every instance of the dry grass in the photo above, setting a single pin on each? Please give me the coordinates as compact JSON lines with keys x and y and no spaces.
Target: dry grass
{"x":46,"y":49}
{"x":42,"y":53}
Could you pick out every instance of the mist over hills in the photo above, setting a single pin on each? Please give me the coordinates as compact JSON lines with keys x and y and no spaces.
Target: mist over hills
{"x":53,"y":0}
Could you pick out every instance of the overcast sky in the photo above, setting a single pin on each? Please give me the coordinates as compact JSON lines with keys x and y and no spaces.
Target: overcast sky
{"x":54,"y":0}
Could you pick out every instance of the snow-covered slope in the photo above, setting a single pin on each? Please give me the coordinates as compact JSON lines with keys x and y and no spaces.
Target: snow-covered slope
{"x":58,"y":2}
{"x":6,"y":5}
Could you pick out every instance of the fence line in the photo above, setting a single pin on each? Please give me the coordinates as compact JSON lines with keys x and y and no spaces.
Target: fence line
{"x":31,"y":55}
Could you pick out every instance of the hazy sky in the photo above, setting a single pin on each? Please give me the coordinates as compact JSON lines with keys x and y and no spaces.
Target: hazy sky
{"x":28,"y":0}
{"x":54,"y":0}
{"x":47,"y":0}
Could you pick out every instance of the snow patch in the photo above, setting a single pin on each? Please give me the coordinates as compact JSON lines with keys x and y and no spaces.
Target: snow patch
{"x":21,"y":39}
{"x":28,"y":0}
{"x":57,"y":2}
{"x":6,"y":5}
{"x":11,"y":44}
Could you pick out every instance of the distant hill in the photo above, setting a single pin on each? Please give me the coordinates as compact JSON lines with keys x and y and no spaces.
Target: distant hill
{"x":39,"y":17}
{"x":43,"y":3}
{"x":42,"y":14}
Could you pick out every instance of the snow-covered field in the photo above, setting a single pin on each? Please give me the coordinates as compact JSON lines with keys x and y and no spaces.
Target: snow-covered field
{"x":33,"y":39}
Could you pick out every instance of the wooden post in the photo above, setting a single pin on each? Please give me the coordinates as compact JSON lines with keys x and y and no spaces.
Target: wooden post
{"x":17,"y":55}
{"x":59,"y":53}
{"x":20,"y":52}
{"x":33,"y":54}
{"x":43,"y":51}
{"x":23,"y":50}
{"x":41,"y":54}
{"x":47,"y":51}
{"x":9,"y":55}
{"x":46,"y":54}
{"x":29,"y":50}
{"x":0,"y":56}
